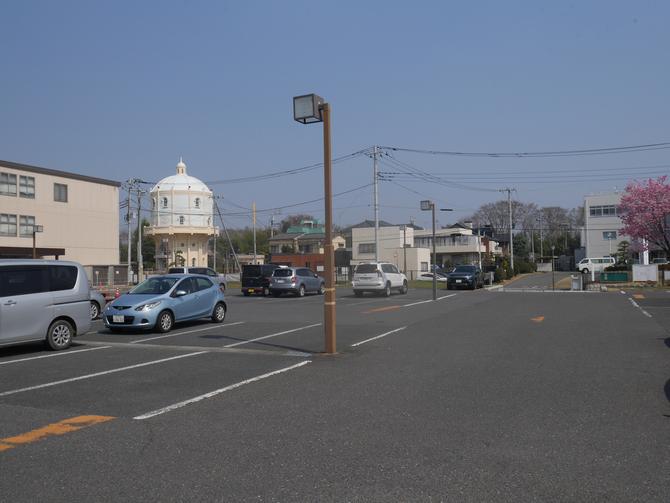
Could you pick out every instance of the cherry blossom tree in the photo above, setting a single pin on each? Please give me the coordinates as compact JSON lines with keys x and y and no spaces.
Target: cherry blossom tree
{"x":644,"y":208}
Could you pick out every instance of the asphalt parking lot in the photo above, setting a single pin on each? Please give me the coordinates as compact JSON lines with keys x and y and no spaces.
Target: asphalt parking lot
{"x":131,"y":374}
{"x":480,"y":396}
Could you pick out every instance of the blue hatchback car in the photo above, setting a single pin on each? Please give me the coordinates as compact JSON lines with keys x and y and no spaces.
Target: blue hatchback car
{"x":161,"y":301}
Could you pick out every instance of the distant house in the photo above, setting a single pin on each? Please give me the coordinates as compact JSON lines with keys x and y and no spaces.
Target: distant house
{"x":302,"y":245}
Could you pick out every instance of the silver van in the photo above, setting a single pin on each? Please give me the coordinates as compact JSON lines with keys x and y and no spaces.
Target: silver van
{"x":43,"y":300}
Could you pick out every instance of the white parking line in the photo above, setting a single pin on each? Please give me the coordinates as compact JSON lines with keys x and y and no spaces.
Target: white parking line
{"x":54,"y":354}
{"x":216,"y":392}
{"x":89,"y":376}
{"x":446,"y":296}
{"x":638,"y":306}
{"x":378,"y":336}
{"x":271,"y":335}
{"x":139,"y":341}
{"x":429,"y":300}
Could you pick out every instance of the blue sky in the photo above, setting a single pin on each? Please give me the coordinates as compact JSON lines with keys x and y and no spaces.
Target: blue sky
{"x":120,"y":89}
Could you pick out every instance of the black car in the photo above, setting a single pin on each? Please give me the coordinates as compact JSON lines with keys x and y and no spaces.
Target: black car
{"x":256,"y":278}
{"x":465,"y":276}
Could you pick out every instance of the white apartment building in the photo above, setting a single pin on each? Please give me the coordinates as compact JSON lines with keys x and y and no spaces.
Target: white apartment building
{"x":456,"y":244}
{"x":602,"y":224}
{"x":57,"y":214}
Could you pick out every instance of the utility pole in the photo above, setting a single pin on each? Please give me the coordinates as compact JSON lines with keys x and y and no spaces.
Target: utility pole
{"x":404,"y":249}
{"x":253,"y":218}
{"x":479,"y":245}
{"x":376,"y":200}
{"x":539,"y":220}
{"x":511,"y":242}
{"x":130,"y":237}
{"x":532,"y":243}
{"x":140,"y":265}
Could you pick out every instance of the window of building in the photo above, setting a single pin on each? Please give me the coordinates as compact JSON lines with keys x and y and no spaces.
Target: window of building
{"x":609,"y":235}
{"x":193,"y":262}
{"x":165,"y":202}
{"x":366,"y":248}
{"x":609,"y":210}
{"x":424,"y":266}
{"x":181,"y":220}
{"x":197,"y":202}
{"x":27,"y":186}
{"x":60,"y":192}
{"x":274,"y":248}
{"x":26,"y":225}
{"x":7,"y":184}
{"x":7,"y":225}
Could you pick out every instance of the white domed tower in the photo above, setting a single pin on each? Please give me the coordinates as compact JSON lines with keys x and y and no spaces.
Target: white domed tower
{"x":182,"y":220}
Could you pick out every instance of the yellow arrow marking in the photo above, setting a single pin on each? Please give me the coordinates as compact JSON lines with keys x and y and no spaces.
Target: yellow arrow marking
{"x":50,"y":430}
{"x":538,"y":319}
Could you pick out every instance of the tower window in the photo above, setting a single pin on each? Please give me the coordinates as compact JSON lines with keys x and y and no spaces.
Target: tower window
{"x":197,"y":202}
{"x":181,"y":220}
{"x":165,"y":202}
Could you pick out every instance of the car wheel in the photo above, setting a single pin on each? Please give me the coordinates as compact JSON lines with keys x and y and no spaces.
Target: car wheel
{"x":404,"y":288}
{"x":266,"y":291}
{"x":164,"y":322}
{"x":585,"y":271}
{"x":219,"y":313}
{"x":358,"y":293}
{"x":387,"y":290}
{"x":322,"y":289}
{"x":60,"y":335}
{"x":448,"y":286}
{"x":95,"y":310}
{"x":301,"y":291}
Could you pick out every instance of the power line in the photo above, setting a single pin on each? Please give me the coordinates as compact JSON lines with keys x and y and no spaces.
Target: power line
{"x":286,"y":172}
{"x":550,"y":153}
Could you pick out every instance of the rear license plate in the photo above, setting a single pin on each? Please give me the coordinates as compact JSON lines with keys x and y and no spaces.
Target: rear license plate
{"x":458,"y":281}
{"x":280,"y":281}
{"x":118,"y":318}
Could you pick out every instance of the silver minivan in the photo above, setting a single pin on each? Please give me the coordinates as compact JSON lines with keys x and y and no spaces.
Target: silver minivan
{"x":43,"y":300}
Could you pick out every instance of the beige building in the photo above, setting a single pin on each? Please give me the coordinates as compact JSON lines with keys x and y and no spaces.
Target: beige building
{"x":78,"y":215}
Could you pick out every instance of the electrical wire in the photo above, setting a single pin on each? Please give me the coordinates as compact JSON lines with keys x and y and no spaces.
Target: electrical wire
{"x":550,"y":153}
{"x":286,"y":172}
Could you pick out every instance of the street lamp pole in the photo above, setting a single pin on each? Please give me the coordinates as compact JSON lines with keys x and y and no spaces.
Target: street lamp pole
{"x":308,"y":109}
{"x":552,"y":268}
{"x":329,"y":301}
{"x":36,"y":229}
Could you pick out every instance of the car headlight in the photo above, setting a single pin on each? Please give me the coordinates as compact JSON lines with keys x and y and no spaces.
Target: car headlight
{"x":147,"y":306}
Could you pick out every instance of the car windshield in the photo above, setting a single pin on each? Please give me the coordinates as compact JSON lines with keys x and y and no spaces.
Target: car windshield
{"x":366,"y":268}
{"x":154,"y":286}
{"x":465,"y":268}
{"x":283,"y":273}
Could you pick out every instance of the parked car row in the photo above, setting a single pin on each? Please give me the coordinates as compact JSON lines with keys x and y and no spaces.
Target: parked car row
{"x":51,"y":300}
{"x":272,"y":279}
